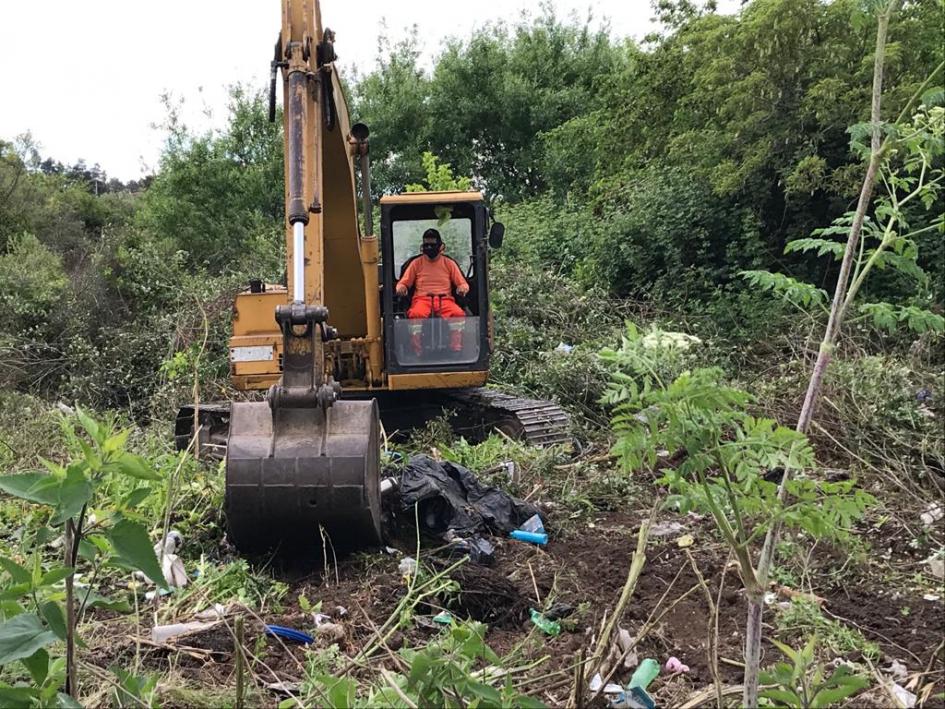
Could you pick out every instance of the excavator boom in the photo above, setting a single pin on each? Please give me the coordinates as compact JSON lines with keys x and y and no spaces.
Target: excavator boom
{"x":302,"y":463}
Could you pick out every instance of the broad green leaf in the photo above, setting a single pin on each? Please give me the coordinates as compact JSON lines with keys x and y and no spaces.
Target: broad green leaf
{"x":833,"y":696}
{"x":89,"y":424}
{"x":787,"y":650}
{"x":117,"y":442}
{"x":97,"y":600}
{"x":133,"y":547}
{"x":74,"y":492}
{"x":54,"y":616}
{"x":782,"y":697}
{"x":135,"y":497}
{"x":64,"y":701}
{"x":37,"y":665}
{"x":16,"y":697}
{"x":35,"y":487}
{"x":22,"y":636}
{"x":136,"y":467}
{"x":489,"y":695}
{"x":18,"y":573}
{"x":11,"y":593}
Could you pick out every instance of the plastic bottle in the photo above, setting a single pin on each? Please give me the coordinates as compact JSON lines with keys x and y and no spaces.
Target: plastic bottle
{"x":645,"y":673}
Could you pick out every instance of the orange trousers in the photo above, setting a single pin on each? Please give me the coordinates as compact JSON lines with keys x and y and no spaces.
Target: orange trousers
{"x":425,"y":306}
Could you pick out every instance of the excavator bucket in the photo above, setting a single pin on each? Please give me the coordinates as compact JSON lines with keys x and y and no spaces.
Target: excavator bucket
{"x":292,"y":473}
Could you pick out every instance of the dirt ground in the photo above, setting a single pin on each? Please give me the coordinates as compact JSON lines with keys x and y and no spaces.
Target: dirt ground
{"x":585,"y":569}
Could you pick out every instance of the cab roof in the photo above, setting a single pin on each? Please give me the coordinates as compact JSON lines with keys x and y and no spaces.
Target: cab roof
{"x":432,"y":197}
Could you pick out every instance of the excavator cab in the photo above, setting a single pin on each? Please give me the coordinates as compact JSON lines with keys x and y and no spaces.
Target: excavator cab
{"x":435,"y":344}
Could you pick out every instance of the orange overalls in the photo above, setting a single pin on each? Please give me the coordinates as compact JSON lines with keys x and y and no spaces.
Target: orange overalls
{"x":433,"y":281}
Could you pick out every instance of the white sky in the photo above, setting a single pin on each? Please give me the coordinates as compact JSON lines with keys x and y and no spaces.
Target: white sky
{"x":85,"y":76}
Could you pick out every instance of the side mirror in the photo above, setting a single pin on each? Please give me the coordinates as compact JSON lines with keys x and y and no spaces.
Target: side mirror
{"x":496,"y":234}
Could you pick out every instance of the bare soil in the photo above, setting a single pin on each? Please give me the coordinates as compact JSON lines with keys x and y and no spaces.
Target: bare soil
{"x":586,"y":569}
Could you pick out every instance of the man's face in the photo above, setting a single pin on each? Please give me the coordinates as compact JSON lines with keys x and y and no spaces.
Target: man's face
{"x":431,"y":248}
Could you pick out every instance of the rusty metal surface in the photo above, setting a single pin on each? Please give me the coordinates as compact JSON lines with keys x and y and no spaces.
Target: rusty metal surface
{"x":290,"y":471}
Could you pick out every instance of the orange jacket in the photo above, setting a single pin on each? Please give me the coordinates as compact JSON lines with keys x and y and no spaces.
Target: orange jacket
{"x":432,"y":277}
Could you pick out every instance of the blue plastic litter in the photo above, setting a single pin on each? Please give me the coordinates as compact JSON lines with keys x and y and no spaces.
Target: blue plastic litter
{"x":289,"y":634}
{"x":533,"y":537}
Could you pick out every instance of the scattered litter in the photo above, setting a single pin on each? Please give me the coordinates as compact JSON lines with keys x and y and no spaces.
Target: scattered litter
{"x":479,"y":550}
{"x":533,"y":524}
{"x":564,"y":348}
{"x":790,"y":593}
{"x":904,"y":696}
{"x":450,"y":496}
{"x":648,"y":670}
{"x":173,"y":568}
{"x":214,"y":612}
{"x":770,"y":597}
{"x":897,"y":671}
{"x":931,"y":597}
{"x":595,"y":686}
{"x":333,"y":631}
{"x":616,"y":696}
{"x":392,"y":551}
{"x":531,"y":537}
{"x":151,"y":595}
{"x":163,"y":633}
{"x":289,"y":634}
{"x":644,"y":674}
{"x":388,"y":485}
{"x":321,"y":619}
{"x":341,"y":611}
{"x":407,"y":566}
{"x":936,"y":566}
{"x":625,"y":642}
{"x":639,"y":698}
{"x":933,"y":513}
{"x":674,"y":665}
{"x":559,"y":610}
{"x":684,"y":541}
{"x":547,"y":626}
{"x":665,"y":529}
{"x":287,"y":688}
{"x":443,"y":618}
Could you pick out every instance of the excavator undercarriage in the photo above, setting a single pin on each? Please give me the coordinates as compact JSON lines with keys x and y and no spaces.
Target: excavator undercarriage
{"x":472,"y":413}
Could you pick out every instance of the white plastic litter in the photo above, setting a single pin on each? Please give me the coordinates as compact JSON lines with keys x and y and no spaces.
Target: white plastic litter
{"x":214,"y":612}
{"x":163,"y":633}
{"x":897,"y":671}
{"x":407,"y":566}
{"x":933,"y":513}
{"x":936,"y":566}
{"x":665,"y":529}
{"x":904,"y":696}
{"x":172,"y":567}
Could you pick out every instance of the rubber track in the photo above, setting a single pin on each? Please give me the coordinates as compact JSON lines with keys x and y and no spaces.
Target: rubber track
{"x":540,"y":423}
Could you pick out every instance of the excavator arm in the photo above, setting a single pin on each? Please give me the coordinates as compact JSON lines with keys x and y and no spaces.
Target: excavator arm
{"x":303,"y":462}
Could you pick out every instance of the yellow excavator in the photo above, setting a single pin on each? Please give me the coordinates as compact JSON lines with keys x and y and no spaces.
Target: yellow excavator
{"x":334,"y":340}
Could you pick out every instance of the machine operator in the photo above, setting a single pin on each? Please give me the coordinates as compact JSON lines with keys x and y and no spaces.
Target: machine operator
{"x":433,"y":276}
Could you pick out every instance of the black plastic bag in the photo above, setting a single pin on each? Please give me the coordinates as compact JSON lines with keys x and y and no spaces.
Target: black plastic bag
{"x":450,"y":497}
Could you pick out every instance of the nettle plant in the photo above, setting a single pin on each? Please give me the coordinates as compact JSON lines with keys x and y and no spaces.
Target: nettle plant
{"x":911,"y":177}
{"x":92,"y":503}
{"x":729,"y":461}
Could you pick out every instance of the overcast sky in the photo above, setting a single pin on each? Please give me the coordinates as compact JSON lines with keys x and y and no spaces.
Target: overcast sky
{"x":85,"y":76}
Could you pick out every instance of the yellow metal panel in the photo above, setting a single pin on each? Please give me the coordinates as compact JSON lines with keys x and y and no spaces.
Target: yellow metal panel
{"x":256,"y":312}
{"x":436,"y":380}
{"x":428,"y":197}
{"x":343,"y":274}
